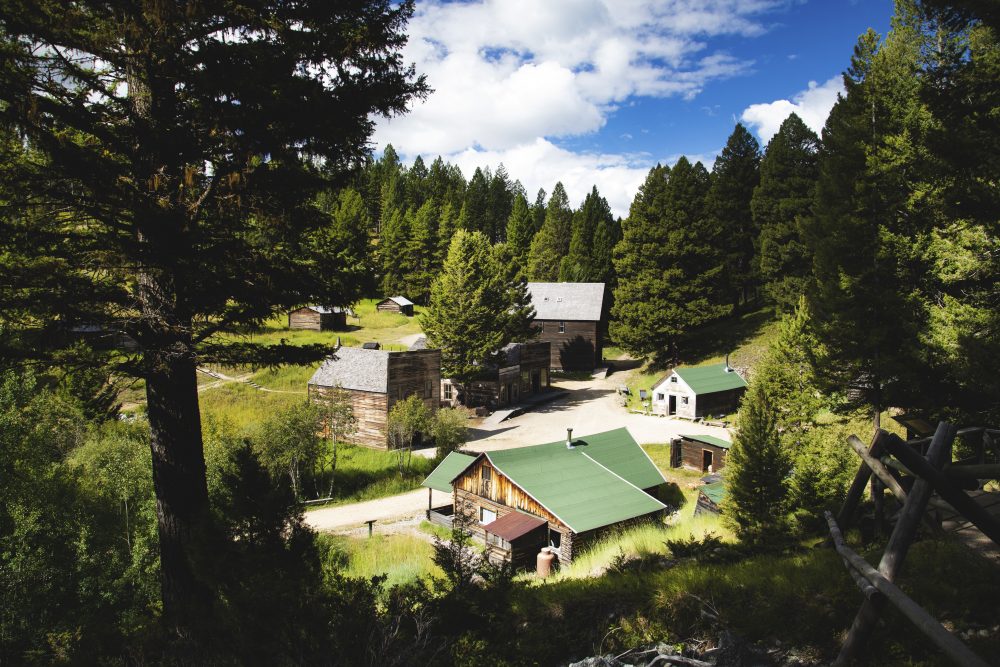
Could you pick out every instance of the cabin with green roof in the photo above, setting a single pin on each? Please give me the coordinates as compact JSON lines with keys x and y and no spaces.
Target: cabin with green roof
{"x":706,"y":453}
{"x":561,"y":495}
{"x":697,"y":392}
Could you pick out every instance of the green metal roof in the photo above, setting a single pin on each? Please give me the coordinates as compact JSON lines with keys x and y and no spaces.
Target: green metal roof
{"x":597,"y":483}
{"x":710,"y":379}
{"x":709,"y":440}
{"x":715,"y":492}
{"x":440,"y":478}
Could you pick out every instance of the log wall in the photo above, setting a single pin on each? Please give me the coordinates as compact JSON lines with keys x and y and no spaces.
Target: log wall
{"x":692,"y":455}
{"x":370,"y":409}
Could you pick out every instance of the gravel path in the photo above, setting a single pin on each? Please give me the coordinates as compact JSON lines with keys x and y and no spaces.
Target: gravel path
{"x":591,"y":407}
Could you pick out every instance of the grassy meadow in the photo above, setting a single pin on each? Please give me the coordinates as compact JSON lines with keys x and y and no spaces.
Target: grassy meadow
{"x":401,"y":558}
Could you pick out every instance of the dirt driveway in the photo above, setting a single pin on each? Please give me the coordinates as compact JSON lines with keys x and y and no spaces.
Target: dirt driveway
{"x":590,"y":407}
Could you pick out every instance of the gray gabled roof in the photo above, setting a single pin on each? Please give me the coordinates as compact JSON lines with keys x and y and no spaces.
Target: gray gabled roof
{"x":567,"y":301}
{"x":419,"y":344}
{"x":326,"y":310}
{"x":354,"y":368}
{"x":400,"y":300}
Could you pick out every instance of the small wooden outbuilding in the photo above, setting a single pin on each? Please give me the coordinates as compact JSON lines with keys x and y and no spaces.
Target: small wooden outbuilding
{"x":694,"y":392}
{"x":318,"y":318}
{"x":699,"y":452}
{"x":563,"y":495}
{"x":396,"y":304}
{"x":710,"y":498}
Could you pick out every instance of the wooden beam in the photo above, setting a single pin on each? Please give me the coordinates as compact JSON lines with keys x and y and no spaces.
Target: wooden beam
{"x":973,"y":471}
{"x":899,"y":542}
{"x":878,"y":468}
{"x":930,"y":626}
{"x":946,"y":488}
{"x":858,"y":485}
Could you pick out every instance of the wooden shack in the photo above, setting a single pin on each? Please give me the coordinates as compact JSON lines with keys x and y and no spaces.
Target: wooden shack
{"x":706,"y":453}
{"x":563,"y":495}
{"x":572,"y":317}
{"x":318,"y":318}
{"x":522,"y":372}
{"x":695,"y":392}
{"x":396,"y":304}
{"x":376,"y":380}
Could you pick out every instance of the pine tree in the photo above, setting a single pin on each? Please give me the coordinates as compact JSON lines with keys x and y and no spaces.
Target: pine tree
{"x":734,"y":176}
{"x":415,"y":184}
{"x":668,"y":264}
{"x":501,"y":202}
{"x":184,"y":160}
{"x":788,"y":174}
{"x":346,"y":237}
{"x":868,"y":231}
{"x":520,"y":231}
{"x":551,"y":243}
{"x":392,"y":250}
{"x":757,"y":470}
{"x":473,"y":310}
{"x":581,"y":264}
{"x":447,"y":225}
{"x":421,"y":252}
{"x":607,"y":235}
{"x":475,"y":210}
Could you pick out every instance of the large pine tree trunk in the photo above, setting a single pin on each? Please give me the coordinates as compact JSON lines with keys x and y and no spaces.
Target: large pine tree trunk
{"x":181,"y":490}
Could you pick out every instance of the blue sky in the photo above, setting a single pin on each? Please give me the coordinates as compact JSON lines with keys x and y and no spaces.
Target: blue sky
{"x":595,"y":92}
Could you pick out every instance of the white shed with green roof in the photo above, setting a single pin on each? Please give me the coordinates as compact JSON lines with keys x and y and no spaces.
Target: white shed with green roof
{"x":696,"y":392}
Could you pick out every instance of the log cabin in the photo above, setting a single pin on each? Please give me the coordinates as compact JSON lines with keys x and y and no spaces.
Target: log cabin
{"x":572,"y":317}
{"x":396,"y":304}
{"x":696,"y":392}
{"x":563,"y":495}
{"x":523,"y":371}
{"x":376,"y":380}
{"x":706,"y":453}
{"x":318,"y":318}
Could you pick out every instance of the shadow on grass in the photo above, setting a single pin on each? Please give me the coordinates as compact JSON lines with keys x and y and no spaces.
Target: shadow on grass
{"x":718,"y":338}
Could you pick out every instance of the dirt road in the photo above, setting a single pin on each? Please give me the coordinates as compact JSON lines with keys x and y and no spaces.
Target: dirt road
{"x":348,"y":517}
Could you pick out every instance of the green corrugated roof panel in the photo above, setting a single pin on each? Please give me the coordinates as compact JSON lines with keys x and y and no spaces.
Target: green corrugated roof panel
{"x":440,"y":478}
{"x":596,"y":483}
{"x":709,"y":440}
{"x":715,"y":492}
{"x":710,"y":379}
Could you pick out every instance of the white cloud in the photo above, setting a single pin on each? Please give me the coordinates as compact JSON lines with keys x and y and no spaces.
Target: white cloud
{"x":812,"y":106}
{"x":511,"y":76}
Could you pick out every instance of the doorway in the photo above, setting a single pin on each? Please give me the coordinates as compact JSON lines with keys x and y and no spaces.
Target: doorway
{"x":706,"y":461}
{"x":671,"y":404}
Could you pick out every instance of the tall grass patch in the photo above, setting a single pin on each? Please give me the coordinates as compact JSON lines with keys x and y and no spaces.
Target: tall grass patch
{"x":401,"y":558}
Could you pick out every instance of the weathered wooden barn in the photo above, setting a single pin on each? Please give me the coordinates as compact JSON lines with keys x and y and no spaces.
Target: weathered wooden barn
{"x":376,"y":380}
{"x":699,"y":452}
{"x":318,"y":318}
{"x":563,"y":495}
{"x":572,"y":317}
{"x":694,"y":392}
{"x":523,"y":372}
{"x":396,"y":304}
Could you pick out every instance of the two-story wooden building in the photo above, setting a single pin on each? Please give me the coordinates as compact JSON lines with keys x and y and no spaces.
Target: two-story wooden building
{"x":572,"y":317}
{"x":694,"y":392}
{"x":522,"y":372}
{"x":376,"y":380}
{"x":563,"y":495}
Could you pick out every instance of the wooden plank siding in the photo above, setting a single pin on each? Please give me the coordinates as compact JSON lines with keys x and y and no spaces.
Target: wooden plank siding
{"x":579,"y":347}
{"x":370,"y":409}
{"x":309,"y":319}
{"x":693,"y":455}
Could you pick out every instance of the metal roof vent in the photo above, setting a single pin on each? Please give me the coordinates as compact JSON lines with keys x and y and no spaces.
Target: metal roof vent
{"x":728,"y":367}
{"x":569,"y":438}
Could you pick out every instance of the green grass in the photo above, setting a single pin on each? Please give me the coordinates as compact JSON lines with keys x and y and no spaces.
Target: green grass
{"x":612,"y":353}
{"x":806,"y":600}
{"x":641,"y":541}
{"x":401,"y":558}
{"x":435,"y":530}
{"x":364,"y":473}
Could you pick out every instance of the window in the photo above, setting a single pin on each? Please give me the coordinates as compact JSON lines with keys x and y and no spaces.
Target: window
{"x":684,"y":400}
{"x":487,"y":473}
{"x":659,"y":397}
{"x":447,"y":391}
{"x":429,"y":389}
{"x":562,"y":327}
{"x":555,"y":539}
{"x":486,"y":516}
{"x":673,"y":378}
